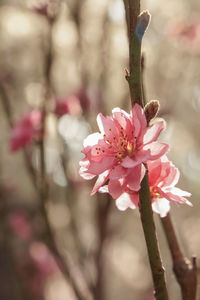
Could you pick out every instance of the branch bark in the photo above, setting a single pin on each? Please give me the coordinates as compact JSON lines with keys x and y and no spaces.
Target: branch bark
{"x":134,"y":79}
{"x":185,"y":269}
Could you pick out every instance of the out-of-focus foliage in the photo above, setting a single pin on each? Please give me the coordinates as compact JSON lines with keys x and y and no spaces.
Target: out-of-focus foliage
{"x":89,"y":51}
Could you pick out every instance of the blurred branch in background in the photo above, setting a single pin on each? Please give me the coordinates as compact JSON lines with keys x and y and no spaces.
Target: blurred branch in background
{"x":103,"y":210}
{"x":185,"y":269}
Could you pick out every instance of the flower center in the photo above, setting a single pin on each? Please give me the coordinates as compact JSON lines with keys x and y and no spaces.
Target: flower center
{"x":122,"y":145}
{"x":130,"y":149}
{"x":154,"y":192}
{"x":125,"y":147}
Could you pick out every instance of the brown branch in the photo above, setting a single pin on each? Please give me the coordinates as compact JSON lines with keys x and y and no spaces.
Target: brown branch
{"x":70,"y":199}
{"x":66,"y":265}
{"x":50,"y":236}
{"x":8,"y":265}
{"x":134,"y":19}
{"x":185,"y":269}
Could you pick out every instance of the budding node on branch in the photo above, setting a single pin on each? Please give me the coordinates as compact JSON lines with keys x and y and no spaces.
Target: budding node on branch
{"x":151,"y":109}
{"x":142,"y":24}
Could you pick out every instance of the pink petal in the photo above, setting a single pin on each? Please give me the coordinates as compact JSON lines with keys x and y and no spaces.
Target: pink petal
{"x":138,"y":158}
{"x":106,"y":125}
{"x":84,"y":163}
{"x":174,"y":198}
{"x":153,"y":132}
{"x":156,"y":150}
{"x":96,"y":154}
{"x":161,"y":206}
{"x":135,"y":199}
{"x":173,"y":176}
{"x":139,"y":120}
{"x":128,"y":162}
{"x":122,"y":120}
{"x":103,"y":189}
{"x":135,"y":177}
{"x":118,"y":172}
{"x":179,"y":192}
{"x":85,"y":175}
{"x":101,"y":150}
{"x":92,"y":139}
{"x":117,"y":110}
{"x":100,"y":181}
{"x":124,"y":202}
{"x":154,"y":171}
{"x":116,"y":187}
{"x":87,"y":152}
{"x":97,"y":168}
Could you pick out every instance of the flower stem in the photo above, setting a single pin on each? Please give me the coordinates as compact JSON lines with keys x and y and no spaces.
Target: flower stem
{"x":148,"y":225}
{"x":134,"y":79}
{"x":185,"y":270}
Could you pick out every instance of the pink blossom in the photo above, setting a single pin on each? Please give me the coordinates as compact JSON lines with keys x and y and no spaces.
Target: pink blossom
{"x":163,"y":176}
{"x":42,"y":9}
{"x":118,"y":152}
{"x":69,"y":105}
{"x":20,"y":225}
{"x":26,"y":130}
{"x":188,"y":34}
{"x":41,"y":6}
{"x":43,"y":258}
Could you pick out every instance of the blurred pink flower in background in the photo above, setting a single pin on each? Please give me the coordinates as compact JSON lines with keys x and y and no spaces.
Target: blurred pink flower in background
{"x":69,"y":105}
{"x":41,"y":6}
{"x":117,"y":153}
{"x":20,"y":225}
{"x":187,"y":33}
{"x":43,"y":258}
{"x":163,"y":176}
{"x":73,"y":104}
{"x":85,"y":100}
{"x":41,"y":9}
{"x":24,"y":132}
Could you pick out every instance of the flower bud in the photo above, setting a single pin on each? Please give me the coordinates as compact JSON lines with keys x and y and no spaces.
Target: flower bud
{"x":142,"y":24}
{"x":151,"y":109}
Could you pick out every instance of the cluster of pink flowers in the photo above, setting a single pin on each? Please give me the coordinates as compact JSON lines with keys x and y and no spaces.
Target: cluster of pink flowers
{"x":28,"y":128}
{"x":117,"y":156}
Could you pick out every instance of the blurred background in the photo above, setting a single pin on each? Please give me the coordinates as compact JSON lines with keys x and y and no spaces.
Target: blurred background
{"x":62,"y":62}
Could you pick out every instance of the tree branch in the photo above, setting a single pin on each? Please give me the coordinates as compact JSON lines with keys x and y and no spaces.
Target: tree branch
{"x":185,"y":269}
{"x":137,"y":24}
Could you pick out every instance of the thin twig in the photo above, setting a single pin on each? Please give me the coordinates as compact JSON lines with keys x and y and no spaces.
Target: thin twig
{"x":185,"y":269}
{"x":70,"y":197}
{"x":135,"y":85}
{"x":43,"y":192}
{"x":65,"y":265}
{"x":17,"y":287}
